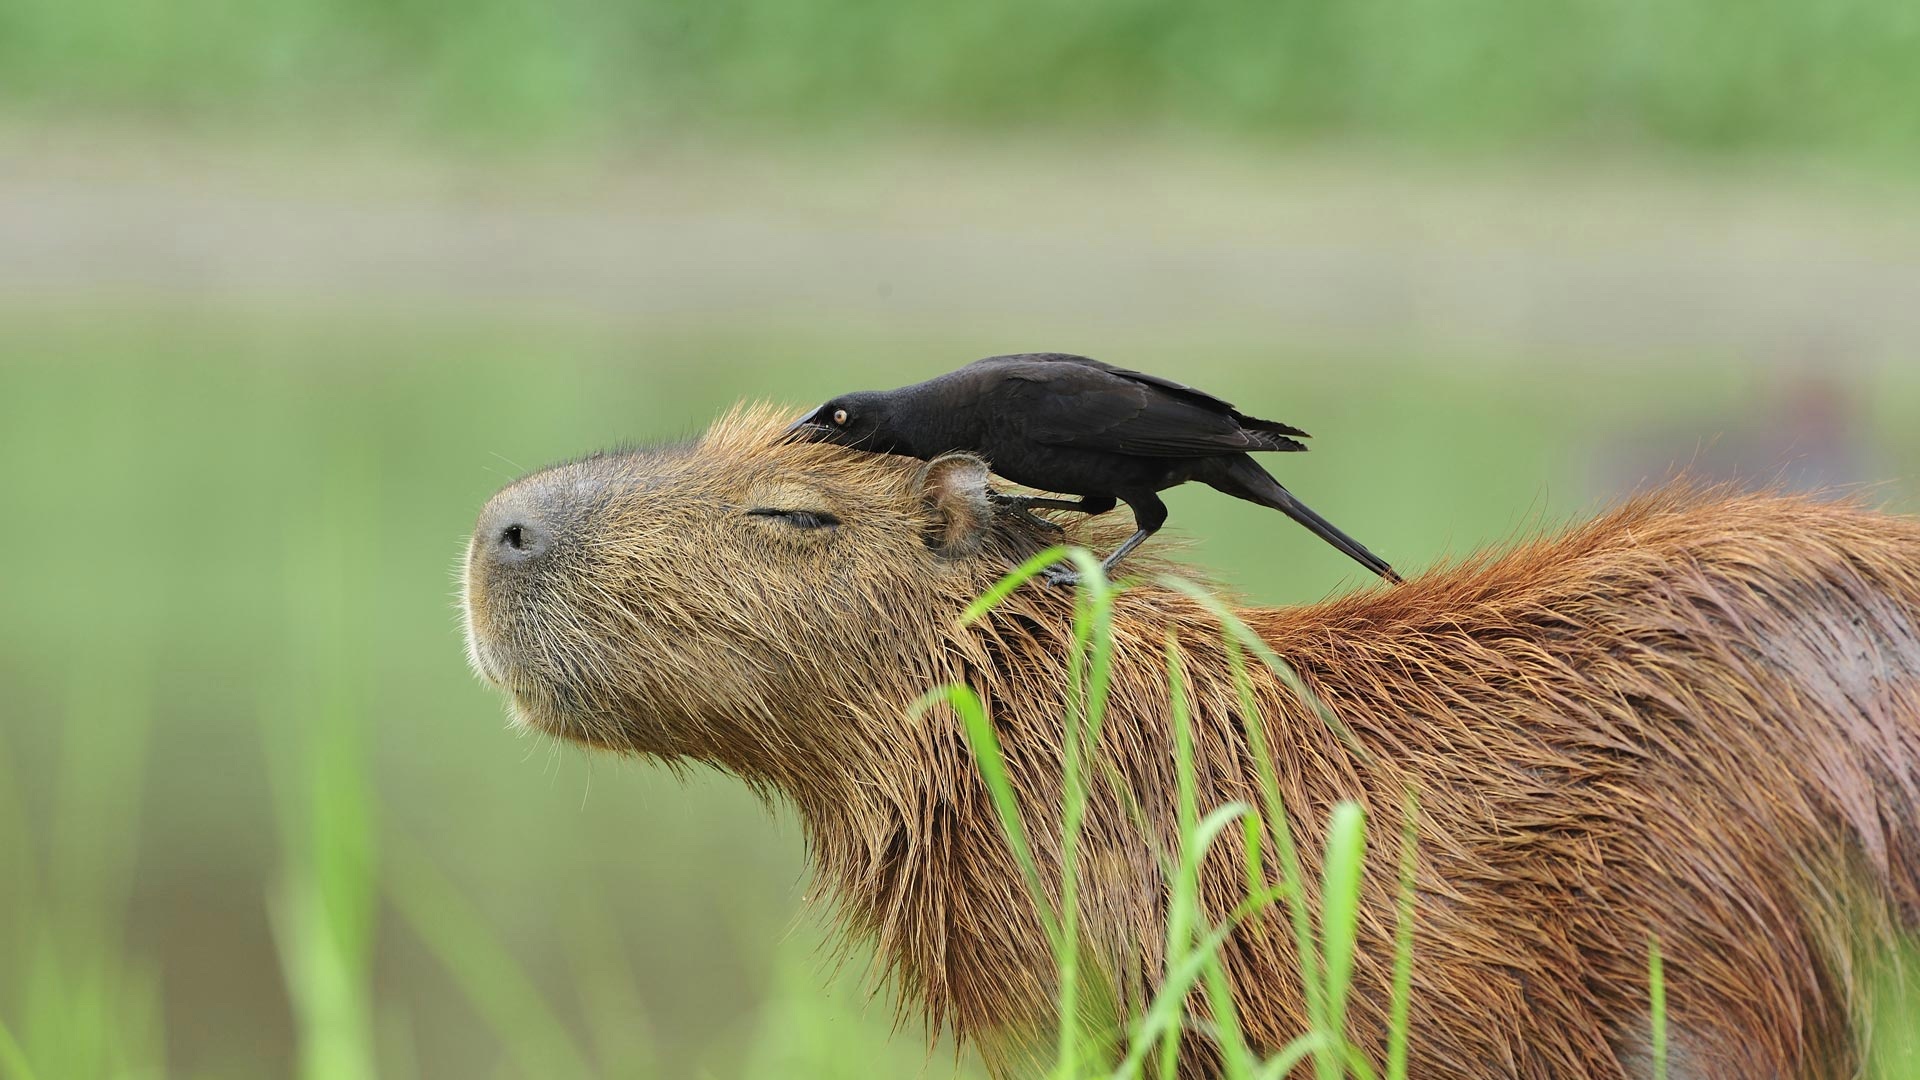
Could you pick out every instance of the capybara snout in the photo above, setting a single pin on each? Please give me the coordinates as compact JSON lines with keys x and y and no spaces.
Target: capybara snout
{"x":548,"y":517}
{"x":617,"y":596}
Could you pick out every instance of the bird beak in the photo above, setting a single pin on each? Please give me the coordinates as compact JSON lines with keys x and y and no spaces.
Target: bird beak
{"x":806,"y":429}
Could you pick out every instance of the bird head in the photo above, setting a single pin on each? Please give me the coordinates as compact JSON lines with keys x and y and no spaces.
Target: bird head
{"x":860,"y":421}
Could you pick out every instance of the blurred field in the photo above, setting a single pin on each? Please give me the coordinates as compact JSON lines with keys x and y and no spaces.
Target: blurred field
{"x":1703,"y":75}
{"x":1085,"y":243}
{"x":234,"y":535}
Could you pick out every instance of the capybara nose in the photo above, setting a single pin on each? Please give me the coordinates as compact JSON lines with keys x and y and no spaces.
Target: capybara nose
{"x":513,"y":534}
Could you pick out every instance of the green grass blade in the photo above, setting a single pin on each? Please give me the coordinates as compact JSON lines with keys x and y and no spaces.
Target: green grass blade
{"x":1282,"y":1064}
{"x":1167,"y":1006}
{"x":85,"y":1010}
{"x":1252,"y":844}
{"x":1089,"y":671}
{"x":323,"y":983}
{"x":1340,"y":909}
{"x":13,"y":1060}
{"x":1401,"y":1002}
{"x":1072,"y":815}
{"x":1169,"y":1002}
{"x":1183,"y":902}
{"x":1235,"y":628}
{"x":325,"y":906}
{"x":1005,"y":586}
{"x":1210,"y":827}
{"x":455,"y":932}
{"x":96,"y":817}
{"x":1089,"y":674}
{"x":1355,"y":1062}
{"x":21,"y":876}
{"x":1887,"y":1022}
{"x":993,"y":770}
{"x":616,"y":1014}
{"x":324,"y":911}
{"x":1293,"y":878}
{"x":1093,"y":575}
{"x":1657,"y":996}
{"x":1184,"y":907}
{"x":1238,"y":1059}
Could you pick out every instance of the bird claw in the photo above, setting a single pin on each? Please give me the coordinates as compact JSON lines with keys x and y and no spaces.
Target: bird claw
{"x":1021,"y":506}
{"x":1041,"y":523}
{"x":1061,"y":575}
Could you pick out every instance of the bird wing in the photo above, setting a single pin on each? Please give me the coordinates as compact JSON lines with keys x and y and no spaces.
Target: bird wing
{"x":1180,"y":390}
{"x":1093,"y":406}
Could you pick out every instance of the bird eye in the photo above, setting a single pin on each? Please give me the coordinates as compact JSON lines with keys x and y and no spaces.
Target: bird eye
{"x":840,"y":417}
{"x":799,"y":519}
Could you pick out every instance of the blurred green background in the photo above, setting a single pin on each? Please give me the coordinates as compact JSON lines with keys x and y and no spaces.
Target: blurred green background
{"x":287,"y":289}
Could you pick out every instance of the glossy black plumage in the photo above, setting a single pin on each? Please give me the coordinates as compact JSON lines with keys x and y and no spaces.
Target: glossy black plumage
{"x":1074,"y":425}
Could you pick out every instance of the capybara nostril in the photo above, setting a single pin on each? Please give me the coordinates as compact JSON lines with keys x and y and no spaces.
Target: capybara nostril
{"x":521,"y":541}
{"x":513,"y":534}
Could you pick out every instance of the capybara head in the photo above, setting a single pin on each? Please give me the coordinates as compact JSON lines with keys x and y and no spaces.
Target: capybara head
{"x":698,"y":598}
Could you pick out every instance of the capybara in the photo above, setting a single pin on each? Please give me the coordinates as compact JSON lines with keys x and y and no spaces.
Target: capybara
{"x":1696,"y":718}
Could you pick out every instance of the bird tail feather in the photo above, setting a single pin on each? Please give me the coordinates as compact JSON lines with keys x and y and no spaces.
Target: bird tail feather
{"x":1275,"y":431}
{"x":1243,"y":477}
{"x":1272,"y":441}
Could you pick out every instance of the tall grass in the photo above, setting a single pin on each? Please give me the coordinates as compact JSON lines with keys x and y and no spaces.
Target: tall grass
{"x":82,"y":1004}
{"x":1886,"y":1020}
{"x":324,"y":907}
{"x":77,"y":997}
{"x":1657,"y":1006}
{"x":1325,"y":939}
{"x":1325,"y":934}
{"x":509,"y":1004}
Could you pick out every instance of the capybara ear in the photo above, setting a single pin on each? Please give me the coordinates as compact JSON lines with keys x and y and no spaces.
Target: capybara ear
{"x":953,"y":487}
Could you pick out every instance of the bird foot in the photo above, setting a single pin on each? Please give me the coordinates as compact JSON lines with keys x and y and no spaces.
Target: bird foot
{"x":1041,"y":523}
{"x":1060,"y":575}
{"x":1022,"y":505}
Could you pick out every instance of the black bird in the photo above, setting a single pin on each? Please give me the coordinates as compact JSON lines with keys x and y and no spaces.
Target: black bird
{"x":1071,"y":424}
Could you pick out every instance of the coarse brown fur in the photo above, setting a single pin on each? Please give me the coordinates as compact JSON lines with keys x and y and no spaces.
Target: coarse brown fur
{"x":1697,"y":716}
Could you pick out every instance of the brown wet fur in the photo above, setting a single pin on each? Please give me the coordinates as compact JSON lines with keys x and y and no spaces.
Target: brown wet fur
{"x":1697,"y":716}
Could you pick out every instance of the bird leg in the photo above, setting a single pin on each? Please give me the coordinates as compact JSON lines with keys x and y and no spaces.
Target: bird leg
{"x":1149,"y":513}
{"x":1088,"y":505}
{"x":1025,"y":505}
